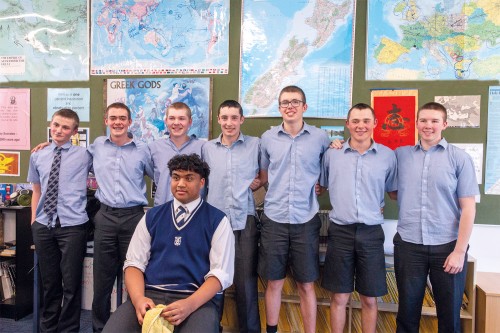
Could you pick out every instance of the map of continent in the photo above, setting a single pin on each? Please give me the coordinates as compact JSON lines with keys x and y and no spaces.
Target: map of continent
{"x":297,"y":42}
{"x":44,"y":41}
{"x":433,"y":40}
{"x":160,"y":37}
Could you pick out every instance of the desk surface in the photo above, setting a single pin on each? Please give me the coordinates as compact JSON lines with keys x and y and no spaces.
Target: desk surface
{"x":489,"y":283}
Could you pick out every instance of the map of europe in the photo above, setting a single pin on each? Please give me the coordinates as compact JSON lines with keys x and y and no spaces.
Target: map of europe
{"x":304,"y":43}
{"x":433,"y":40}
{"x":160,"y":37}
{"x":43,"y":40}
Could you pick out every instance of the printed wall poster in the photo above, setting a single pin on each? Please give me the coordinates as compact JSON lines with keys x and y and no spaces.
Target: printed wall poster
{"x":395,"y":111}
{"x":9,"y":163}
{"x":148,"y":99}
{"x":76,"y":99}
{"x":15,"y":119}
{"x":462,"y":111}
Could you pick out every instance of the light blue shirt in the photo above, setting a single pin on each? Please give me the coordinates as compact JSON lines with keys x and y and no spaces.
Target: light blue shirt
{"x":72,"y":192}
{"x":162,"y":150}
{"x":429,"y":186}
{"x":120,"y":170}
{"x":293,"y":166}
{"x":232,"y":170}
{"x":357,"y":182}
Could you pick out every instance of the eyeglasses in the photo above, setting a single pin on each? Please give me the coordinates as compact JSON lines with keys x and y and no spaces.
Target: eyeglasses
{"x":295,"y":103}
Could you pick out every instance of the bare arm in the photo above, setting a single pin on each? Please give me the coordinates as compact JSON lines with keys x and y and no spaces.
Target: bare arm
{"x":393,"y":195}
{"x":259,"y":181}
{"x":40,"y":146}
{"x":455,"y":261}
{"x":35,"y":199}
{"x":178,"y":311}
{"x":134,"y":281}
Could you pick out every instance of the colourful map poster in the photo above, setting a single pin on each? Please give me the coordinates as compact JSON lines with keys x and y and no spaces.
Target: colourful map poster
{"x":304,"y":43}
{"x":433,"y":40}
{"x":44,"y":40}
{"x":149,"y":98}
{"x":395,"y":111}
{"x":154,"y":37}
{"x":492,"y":170}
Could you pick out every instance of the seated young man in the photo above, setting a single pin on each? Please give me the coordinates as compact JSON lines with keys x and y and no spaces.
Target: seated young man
{"x":181,"y":255}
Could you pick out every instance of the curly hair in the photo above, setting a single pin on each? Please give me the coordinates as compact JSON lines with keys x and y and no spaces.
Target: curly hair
{"x":191,"y":162}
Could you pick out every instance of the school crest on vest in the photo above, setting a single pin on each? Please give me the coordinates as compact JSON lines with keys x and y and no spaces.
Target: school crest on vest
{"x":177,"y":240}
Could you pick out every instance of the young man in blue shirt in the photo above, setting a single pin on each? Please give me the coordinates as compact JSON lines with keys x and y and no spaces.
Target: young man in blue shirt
{"x":59,"y":173}
{"x":357,"y":175}
{"x":178,"y":121}
{"x":234,"y":162}
{"x":436,"y":189}
{"x":120,"y":164}
{"x":291,"y":155}
{"x":181,"y":255}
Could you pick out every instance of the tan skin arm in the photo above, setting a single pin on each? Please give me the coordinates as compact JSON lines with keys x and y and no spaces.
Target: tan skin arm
{"x":40,"y":146}
{"x":393,"y":195}
{"x":35,"y":199}
{"x":134,"y":281}
{"x":178,"y":311}
{"x":259,"y":181}
{"x":455,"y":261}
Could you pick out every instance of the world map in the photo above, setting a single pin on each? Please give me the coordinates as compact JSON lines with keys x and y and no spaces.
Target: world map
{"x":160,"y":37}
{"x":297,"y":42}
{"x":433,"y":40}
{"x":42,"y":41}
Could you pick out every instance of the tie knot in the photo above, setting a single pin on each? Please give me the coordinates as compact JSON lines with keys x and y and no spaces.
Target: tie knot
{"x":181,"y":210}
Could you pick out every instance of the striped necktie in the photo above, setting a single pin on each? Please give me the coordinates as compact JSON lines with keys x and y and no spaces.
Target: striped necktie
{"x":50,"y":203}
{"x":180,"y":216}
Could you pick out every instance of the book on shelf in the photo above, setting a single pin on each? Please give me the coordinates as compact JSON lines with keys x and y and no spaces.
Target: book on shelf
{"x":8,"y":252}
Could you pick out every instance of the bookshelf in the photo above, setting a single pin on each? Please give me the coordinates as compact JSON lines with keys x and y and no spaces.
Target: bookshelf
{"x":21,"y":303}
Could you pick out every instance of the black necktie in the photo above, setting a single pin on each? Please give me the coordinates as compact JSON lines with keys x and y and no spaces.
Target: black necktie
{"x":50,"y":204}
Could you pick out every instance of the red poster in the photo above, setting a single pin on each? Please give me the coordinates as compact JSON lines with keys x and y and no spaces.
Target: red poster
{"x":396,"y":120}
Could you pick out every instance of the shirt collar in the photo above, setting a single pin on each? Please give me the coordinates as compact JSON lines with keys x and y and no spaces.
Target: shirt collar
{"x":347,"y":146}
{"x":443,"y":143}
{"x":305,"y":128}
{"x":130,"y":135}
{"x":190,"y":206}
{"x":65,"y":146}
{"x":241,"y":138}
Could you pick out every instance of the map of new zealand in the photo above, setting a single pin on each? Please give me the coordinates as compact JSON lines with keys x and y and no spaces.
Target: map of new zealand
{"x":304,"y":43}
{"x":433,"y":40}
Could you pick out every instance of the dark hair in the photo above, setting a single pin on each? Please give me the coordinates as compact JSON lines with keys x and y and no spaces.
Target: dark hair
{"x":118,"y":105}
{"x":293,"y":89}
{"x":361,"y":106}
{"x":179,"y":106}
{"x":230,"y":103}
{"x":191,"y":162}
{"x":68,"y":113}
{"x":434,"y":106}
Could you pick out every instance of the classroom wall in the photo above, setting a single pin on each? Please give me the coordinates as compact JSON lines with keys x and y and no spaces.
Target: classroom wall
{"x":227,"y":87}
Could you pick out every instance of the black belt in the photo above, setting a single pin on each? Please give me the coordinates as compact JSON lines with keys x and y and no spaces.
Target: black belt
{"x":133,"y":209}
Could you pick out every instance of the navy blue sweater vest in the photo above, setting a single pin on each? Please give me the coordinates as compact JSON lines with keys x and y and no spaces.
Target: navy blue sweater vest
{"x":179,"y":259}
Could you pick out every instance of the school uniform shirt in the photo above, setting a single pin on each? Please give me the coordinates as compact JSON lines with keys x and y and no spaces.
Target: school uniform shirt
{"x":429,"y":186}
{"x":72,"y":191}
{"x":120,"y":170}
{"x":357,"y":182}
{"x":180,"y":258}
{"x":232,"y":170}
{"x":162,"y":151}
{"x":293,"y":165}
